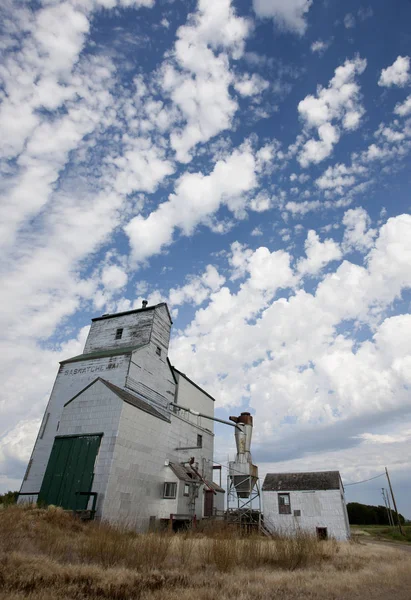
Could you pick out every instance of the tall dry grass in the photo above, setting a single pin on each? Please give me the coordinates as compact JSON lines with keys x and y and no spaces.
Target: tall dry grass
{"x":48,"y":554}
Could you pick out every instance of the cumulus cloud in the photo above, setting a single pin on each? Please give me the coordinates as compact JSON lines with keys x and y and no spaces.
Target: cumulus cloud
{"x":289,"y":15}
{"x":404,"y":108}
{"x":196,"y":197}
{"x":349,"y":21}
{"x":318,"y":254}
{"x":251,"y":85}
{"x":114,"y":277}
{"x":358,"y":234}
{"x":286,"y":353}
{"x":197,"y":77}
{"x":339,"y":177}
{"x":339,"y":103}
{"x":397,"y":74}
{"x":319,"y":47}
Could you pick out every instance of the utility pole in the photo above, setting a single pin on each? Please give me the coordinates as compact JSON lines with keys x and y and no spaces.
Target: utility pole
{"x":386,"y":506}
{"x":393,"y":501}
{"x":389,"y":506}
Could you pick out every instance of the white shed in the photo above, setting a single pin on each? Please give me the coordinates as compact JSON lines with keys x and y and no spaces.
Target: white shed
{"x":312,"y":502}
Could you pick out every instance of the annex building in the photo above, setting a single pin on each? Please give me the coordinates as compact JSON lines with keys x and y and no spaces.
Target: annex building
{"x":312,"y":502}
{"x":121,"y":436}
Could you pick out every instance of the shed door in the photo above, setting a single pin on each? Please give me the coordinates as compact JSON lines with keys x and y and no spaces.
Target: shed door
{"x":70,"y":469}
{"x":208,"y":503}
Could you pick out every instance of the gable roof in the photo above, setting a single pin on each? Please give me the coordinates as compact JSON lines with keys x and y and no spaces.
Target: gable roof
{"x":132,"y":312}
{"x":102,"y":354}
{"x":294,"y":482}
{"x":126,"y":397}
{"x":192,"y":383}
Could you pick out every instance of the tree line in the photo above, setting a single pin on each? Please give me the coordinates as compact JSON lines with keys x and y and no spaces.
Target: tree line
{"x":365,"y":514}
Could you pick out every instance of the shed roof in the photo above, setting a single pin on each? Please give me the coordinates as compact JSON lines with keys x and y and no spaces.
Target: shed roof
{"x":215,"y":486}
{"x":187,"y":474}
{"x":135,"y":400}
{"x":294,"y":482}
{"x":183,"y":472}
{"x":126,"y":397}
{"x":102,"y":354}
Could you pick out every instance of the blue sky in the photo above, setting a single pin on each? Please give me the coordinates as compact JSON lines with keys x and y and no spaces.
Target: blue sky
{"x":248,"y":163}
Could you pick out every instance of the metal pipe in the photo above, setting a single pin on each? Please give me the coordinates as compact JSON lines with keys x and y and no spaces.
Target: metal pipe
{"x":198,"y":414}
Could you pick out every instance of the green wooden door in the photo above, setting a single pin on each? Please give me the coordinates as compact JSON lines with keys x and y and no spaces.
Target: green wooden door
{"x":70,"y":469}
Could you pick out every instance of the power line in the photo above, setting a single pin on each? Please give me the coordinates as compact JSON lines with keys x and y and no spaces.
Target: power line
{"x":364,"y":480}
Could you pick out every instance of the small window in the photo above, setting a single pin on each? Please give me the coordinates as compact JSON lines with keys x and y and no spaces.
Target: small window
{"x":186,"y":489}
{"x":158,"y":351}
{"x":284,"y":506}
{"x":170,"y":490}
{"x":297,"y":513}
{"x":119,"y":333}
{"x":322,"y":533}
{"x":199,"y":441}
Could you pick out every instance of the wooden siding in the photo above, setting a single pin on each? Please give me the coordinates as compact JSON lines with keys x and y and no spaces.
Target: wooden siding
{"x":136,"y":332}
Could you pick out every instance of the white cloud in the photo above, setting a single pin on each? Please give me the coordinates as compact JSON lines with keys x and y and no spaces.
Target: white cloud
{"x":114,"y":277}
{"x":302,"y":208}
{"x":315,"y":151}
{"x":257,"y":231}
{"x":339,"y":177}
{"x":340,"y":103}
{"x":319,"y":47}
{"x":196,"y":197}
{"x":198,"y":77}
{"x":261,"y":202}
{"x":251,"y":85}
{"x":365,"y":13}
{"x":318,"y":254}
{"x":404,"y":109}
{"x":198,"y":288}
{"x":397,"y":74}
{"x":357,"y":235}
{"x":349,"y":21}
{"x":286,"y":353}
{"x":289,"y":15}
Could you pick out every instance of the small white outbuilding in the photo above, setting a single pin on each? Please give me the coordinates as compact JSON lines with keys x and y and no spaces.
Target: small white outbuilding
{"x":311,"y":502}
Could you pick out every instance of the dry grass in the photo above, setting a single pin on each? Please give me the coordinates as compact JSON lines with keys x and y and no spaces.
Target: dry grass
{"x":47,"y":554}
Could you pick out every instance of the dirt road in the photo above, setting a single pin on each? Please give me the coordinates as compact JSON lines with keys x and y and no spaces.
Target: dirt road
{"x":394,"y":545}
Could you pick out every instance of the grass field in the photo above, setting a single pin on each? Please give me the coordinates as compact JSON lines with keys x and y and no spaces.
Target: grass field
{"x":382,"y":532}
{"x":47,"y":554}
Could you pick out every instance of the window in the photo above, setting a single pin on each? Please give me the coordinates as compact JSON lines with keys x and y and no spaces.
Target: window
{"x":322,"y":533}
{"x":170,"y":490}
{"x":284,"y":506}
{"x":186,"y":489}
{"x":199,"y":441}
{"x":158,"y":351}
{"x":119,"y":333}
